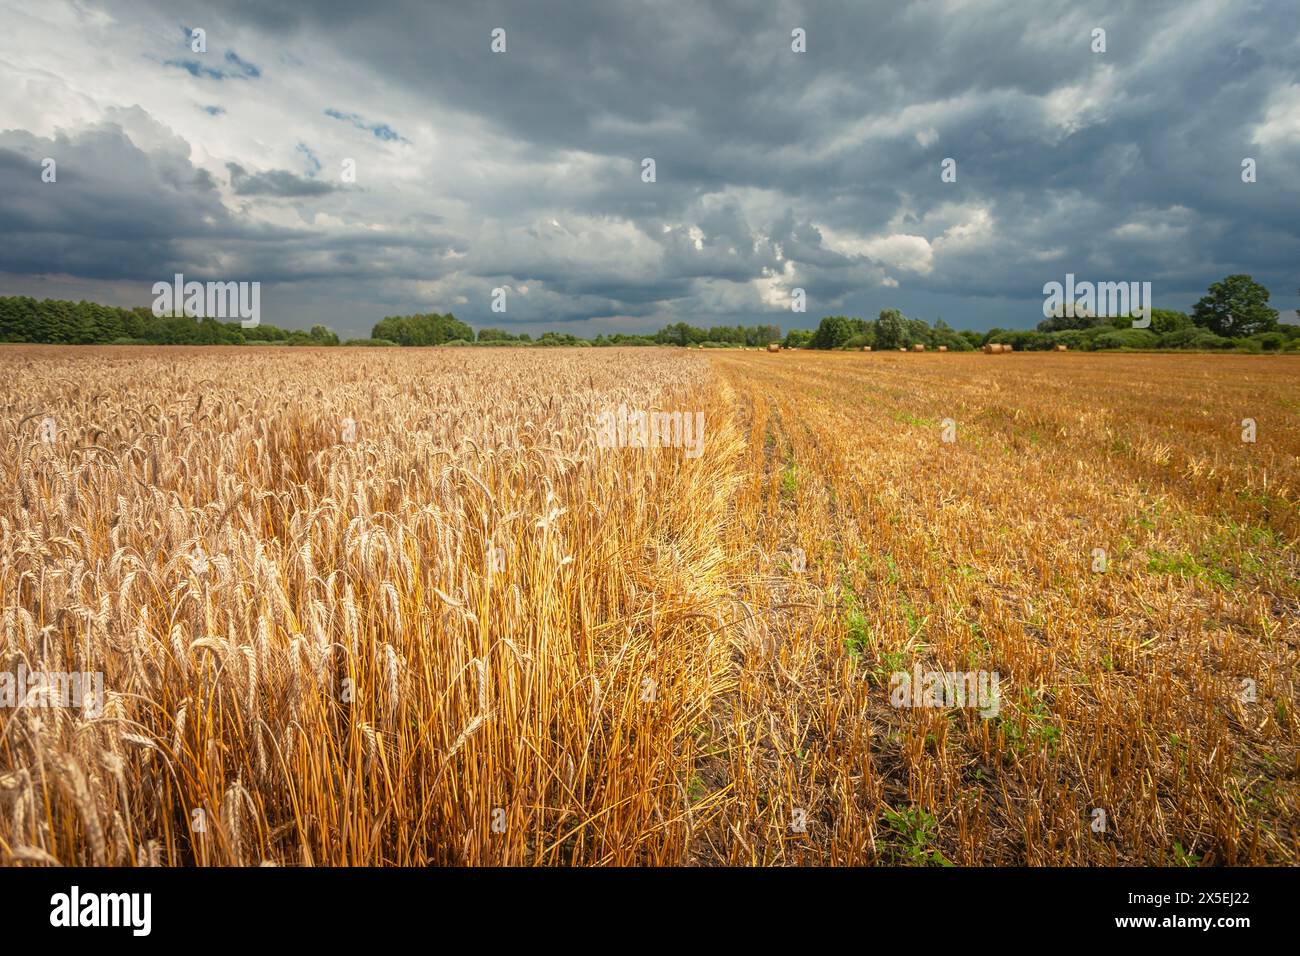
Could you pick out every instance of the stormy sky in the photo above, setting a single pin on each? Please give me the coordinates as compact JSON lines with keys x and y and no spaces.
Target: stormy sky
{"x":774,"y":169}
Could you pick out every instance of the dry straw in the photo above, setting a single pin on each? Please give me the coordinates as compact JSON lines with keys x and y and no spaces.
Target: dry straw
{"x":474,"y":636}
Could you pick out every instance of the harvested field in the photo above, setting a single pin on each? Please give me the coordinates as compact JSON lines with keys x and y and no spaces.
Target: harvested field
{"x":403,"y":607}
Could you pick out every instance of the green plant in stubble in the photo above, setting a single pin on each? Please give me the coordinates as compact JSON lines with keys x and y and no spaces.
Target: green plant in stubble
{"x":915,"y":830}
{"x":1185,"y":858}
{"x":789,"y":479}
{"x":1038,"y":730}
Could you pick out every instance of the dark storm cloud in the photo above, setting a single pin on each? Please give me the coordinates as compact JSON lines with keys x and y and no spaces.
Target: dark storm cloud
{"x":118,"y":212}
{"x":774,"y":169}
{"x":275,"y":182}
{"x":112,"y":211}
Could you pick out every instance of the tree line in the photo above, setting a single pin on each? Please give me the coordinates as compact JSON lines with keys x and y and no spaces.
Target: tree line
{"x":59,"y":322}
{"x":1234,"y":315}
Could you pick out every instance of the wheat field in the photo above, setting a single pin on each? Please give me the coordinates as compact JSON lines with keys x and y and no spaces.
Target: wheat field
{"x":401,"y":607}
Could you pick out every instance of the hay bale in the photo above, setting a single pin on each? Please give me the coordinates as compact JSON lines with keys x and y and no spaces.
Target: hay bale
{"x":988,"y":348}
{"x":943,"y":348}
{"x":774,"y":346}
{"x":918,"y":347}
{"x":901,"y":349}
{"x":1006,"y":347}
{"x":866,"y":348}
{"x":1062,"y":348}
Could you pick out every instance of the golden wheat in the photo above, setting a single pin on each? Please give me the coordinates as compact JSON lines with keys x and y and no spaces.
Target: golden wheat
{"x":401,"y":608}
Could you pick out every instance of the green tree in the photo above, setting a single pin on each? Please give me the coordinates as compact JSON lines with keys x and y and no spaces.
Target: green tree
{"x":832,"y":332}
{"x":1070,"y":318}
{"x":762,"y":334}
{"x":1164,"y":321}
{"x":1235,"y":306}
{"x":891,"y":328}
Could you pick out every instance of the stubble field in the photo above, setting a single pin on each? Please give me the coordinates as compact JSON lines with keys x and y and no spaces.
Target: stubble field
{"x":382,"y":607}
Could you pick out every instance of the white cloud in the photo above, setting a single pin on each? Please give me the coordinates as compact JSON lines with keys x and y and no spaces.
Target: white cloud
{"x":1281,"y":125}
{"x":897,"y":250}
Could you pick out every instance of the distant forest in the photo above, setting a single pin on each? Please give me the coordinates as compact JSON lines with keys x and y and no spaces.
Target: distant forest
{"x":57,"y":322}
{"x":1234,"y":315}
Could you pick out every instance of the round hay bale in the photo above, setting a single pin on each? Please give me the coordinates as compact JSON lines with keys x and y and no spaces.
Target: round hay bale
{"x":943,"y":348}
{"x":774,"y":346}
{"x":1062,"y":348}
{"x":918,"y":347}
